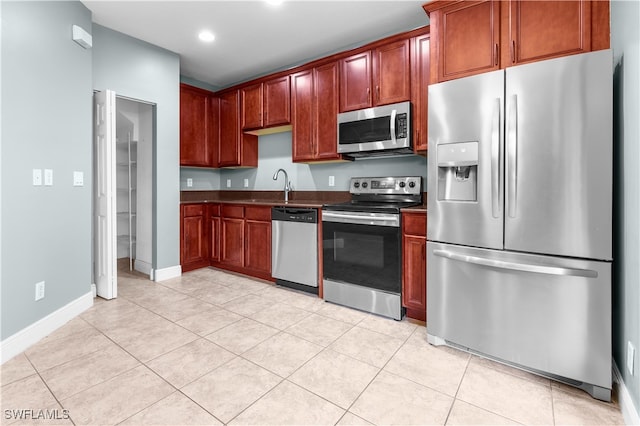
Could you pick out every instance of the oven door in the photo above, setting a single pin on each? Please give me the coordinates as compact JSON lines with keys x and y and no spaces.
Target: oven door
{"x":362,"y":249}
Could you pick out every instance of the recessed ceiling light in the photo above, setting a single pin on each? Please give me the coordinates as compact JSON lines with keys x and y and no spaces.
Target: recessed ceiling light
{"x":274,"y":2}
{"x":206,"y":36}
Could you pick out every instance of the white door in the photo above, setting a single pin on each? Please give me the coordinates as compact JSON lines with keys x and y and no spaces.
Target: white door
{"x":105,"y":187}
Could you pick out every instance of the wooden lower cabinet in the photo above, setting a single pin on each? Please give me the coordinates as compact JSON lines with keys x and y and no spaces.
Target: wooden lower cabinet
{"x":232,"y":236}
{"x":414,"y":271}
{"x":214,"y":233}
{"x":257,"y":245}
{"x":194,"y":239}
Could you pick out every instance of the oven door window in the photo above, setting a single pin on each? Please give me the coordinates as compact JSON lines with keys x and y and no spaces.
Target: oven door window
{"x":365,"y":255}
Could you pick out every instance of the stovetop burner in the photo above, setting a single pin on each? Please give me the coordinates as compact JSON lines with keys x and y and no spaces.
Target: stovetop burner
{"x":381,"y":195}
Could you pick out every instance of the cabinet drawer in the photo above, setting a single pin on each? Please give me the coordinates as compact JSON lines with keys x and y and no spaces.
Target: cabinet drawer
{"x":214,"y":210}
{"x":233,"y":211}
{"x":414,"y":224}
{"x":193,"y":210}
{"x":257,"y":213}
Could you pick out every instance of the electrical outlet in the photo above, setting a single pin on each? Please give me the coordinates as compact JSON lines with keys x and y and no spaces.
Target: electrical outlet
{"x":246,"y":183}
{"x":37,"y":177}
{"x":228,"y":183}
{"x":332,"y":181}
{"x":48,"y":177}
{"x":189,"y":182}
{"x":40,"y":290}
{"x":631,"y":354}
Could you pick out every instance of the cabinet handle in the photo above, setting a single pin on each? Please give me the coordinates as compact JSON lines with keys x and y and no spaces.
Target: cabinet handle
{"x":378,"y":92}
{"x":513,"y":51}
{"x":495,"y":52}
{"x":368,"y":95}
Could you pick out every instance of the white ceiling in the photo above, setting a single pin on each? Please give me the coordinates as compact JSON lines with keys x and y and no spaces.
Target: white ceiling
{"x":254,"y":38}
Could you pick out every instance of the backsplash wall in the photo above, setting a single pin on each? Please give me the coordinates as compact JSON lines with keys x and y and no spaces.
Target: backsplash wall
{"x":274,"y":152}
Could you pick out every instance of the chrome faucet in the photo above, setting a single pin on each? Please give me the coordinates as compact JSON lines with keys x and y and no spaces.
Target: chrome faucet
{"x":287,"y":183}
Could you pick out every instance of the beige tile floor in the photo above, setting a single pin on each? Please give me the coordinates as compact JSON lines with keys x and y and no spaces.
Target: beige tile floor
{"x":218,"y":348}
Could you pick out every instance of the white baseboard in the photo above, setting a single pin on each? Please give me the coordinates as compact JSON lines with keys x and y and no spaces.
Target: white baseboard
{"x":23,"y":339}
{"x":167,"y":273}
{"x":142,"y":266}
{"x":629,"y":410}
{"x":94,"y":290}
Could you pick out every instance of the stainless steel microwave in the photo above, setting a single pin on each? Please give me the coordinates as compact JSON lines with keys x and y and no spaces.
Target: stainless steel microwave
{"x":377,"y":131}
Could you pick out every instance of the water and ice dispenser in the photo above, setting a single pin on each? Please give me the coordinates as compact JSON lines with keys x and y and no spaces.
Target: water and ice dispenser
{"x":458,"y":171}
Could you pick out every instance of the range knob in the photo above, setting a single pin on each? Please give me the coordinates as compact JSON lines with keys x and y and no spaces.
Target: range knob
{"x":356,"y":184}
{"x":365,"y":184}
{"x":412,"y":184}
{"x":402,"y":184}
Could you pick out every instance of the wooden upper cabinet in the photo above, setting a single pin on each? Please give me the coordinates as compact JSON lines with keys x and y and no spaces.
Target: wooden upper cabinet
{"x":235,"y":149}
{"x":376,"y":77}
{"x":420,"y":78}
{"x":538,"y":30}
{"x":355,"y":82}
{"x":277,"y":102}
{"x":465,"y":39}
{"x":471,"y":37}
{"x":251,"y":106}
{"x":314,"y":108}
{"x":266,"y":104}
{"x":197,"y":141}
{"x":391,"y":73}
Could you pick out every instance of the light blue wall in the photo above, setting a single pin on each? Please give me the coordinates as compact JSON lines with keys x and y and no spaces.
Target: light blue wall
{"x":46,"y":124}
{"x":625,"y":41}
{"x":139,"y":70}
{"x":274,"y":152}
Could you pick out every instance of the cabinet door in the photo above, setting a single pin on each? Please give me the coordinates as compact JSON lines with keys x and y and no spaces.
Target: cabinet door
{"x":355,"y":82}
{"x":258,"y":246}
{"x":251,"y":106}
{"x":302,"y":116}
{"x":193,"y":251}
{"x":414,"y":288}
{"x":194,"y":127}
{"x":391,"y":73}
{"x":277,"y":102}
{"x":465,"y":39}
{"x":229,"y":146}
{"x":214,"y":238}
{"x":326,"y":104}
{"x":420,"y":75}
{"x":232,"y":244}
{"x":541,"y":30}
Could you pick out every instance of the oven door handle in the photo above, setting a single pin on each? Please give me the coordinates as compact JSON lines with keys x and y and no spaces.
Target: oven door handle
{"x":378,"y":219}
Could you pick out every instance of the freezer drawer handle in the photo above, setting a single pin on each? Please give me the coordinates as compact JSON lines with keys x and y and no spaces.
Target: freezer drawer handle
{"x":525,"y":267}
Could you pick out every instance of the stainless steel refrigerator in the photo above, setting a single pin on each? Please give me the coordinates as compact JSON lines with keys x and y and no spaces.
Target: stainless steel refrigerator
{"x":519,"y":217}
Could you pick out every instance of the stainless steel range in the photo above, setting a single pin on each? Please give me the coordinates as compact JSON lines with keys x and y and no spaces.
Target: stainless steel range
{"x":361,"y":241}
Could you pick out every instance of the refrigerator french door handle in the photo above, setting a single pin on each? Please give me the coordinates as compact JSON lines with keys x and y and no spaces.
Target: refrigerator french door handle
{"x":392,"y":126}
{"x":512,"y":154}
{"x":515,"y":266}
{"x":495,"y":159}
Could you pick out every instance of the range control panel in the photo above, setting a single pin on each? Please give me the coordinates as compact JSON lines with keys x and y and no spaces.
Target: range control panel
{"x":386,"y":185}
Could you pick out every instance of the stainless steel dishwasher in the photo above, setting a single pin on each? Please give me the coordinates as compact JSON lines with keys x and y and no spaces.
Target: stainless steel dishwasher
{"x":294,"y":247}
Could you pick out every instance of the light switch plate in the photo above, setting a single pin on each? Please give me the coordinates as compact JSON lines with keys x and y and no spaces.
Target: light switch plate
{"x":39,"y":290}
{"x":228,"y":183}
{"x":78,"y":179}
{"x":37,"y":177}
{"x":246,"y":183}
{"x":48,"y":177}
{"x":189,"y":182}
{"x":332,"y":180}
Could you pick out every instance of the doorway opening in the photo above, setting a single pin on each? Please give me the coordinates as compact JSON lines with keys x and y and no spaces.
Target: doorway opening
{"x":123,"y":189}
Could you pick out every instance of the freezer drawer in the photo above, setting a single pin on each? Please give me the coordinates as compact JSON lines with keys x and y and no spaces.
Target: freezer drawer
{"x":547,"y":314}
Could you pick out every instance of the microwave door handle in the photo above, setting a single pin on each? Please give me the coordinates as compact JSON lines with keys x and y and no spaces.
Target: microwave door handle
{"x":393,"y":126}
